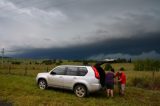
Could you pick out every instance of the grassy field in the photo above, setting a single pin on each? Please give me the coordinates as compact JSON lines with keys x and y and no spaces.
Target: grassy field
{"x":20,"y":89}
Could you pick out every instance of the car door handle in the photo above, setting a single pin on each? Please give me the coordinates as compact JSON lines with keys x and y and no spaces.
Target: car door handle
{"x":74,"y":77}
{"x":60,"y":77}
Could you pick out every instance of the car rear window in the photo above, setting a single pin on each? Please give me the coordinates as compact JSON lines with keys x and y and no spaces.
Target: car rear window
{"x":72,"y":71}
{"x":76,"y":71}
{"x":82,"y":71}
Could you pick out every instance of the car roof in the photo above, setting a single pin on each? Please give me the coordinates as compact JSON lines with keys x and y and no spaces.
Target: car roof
{"x":73,"y":66}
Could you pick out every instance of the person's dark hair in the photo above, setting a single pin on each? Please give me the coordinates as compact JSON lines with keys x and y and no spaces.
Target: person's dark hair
{"x":121,"y":69}
{"x":112,"y":69}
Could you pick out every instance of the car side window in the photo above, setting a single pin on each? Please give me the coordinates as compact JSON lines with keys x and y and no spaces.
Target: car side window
{"x":82,"y":71}
{"x":59,"y":71}
{"x":72,"y":71}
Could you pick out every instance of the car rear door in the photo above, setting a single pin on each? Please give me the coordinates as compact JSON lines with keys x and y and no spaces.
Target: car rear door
{"x":101,"y":73}
{"x":70,"y":77}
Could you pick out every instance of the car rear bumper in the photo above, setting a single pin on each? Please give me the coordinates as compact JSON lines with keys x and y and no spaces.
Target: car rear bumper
{"x":94,"y":87}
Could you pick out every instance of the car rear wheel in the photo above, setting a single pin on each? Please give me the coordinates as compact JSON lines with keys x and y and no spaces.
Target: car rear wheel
{"x":80,"y":91}
{"x":42,"y":84}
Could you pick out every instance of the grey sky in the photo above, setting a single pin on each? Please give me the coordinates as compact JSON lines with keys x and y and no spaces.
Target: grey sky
{"x":46,"y":24}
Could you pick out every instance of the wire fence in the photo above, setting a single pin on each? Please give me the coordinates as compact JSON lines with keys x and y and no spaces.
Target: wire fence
{"x":26,"y":70}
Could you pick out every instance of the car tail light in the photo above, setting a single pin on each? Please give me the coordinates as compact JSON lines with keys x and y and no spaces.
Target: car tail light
{"x":96,"y":72}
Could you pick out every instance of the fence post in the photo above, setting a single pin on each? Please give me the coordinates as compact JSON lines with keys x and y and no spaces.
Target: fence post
{"x":47,"y":69}
{"x":153,"y":78}
{"x":25,"y":73}
{"x":9,"y":70}
{"x":153,"y":74}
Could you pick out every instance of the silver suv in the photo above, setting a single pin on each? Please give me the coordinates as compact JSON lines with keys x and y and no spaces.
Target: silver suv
{"x":81,"y":79}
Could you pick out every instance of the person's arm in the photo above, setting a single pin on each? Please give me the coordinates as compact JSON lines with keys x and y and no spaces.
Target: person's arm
{"x":120,"y":80}
{"x":116,"y":75}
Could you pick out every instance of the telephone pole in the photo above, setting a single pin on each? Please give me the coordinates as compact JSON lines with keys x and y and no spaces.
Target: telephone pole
{"x":2,"y":56}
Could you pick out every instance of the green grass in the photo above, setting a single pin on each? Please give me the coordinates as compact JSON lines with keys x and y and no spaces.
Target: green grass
{"x":22,"y":91}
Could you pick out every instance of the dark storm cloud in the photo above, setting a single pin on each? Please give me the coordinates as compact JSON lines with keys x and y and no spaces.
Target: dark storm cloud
{"x":79,"y":28}
{"x":134,"y":46}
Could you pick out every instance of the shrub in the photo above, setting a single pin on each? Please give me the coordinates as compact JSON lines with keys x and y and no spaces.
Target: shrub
{"x":58,"y":63}
{"x":147,"y":65}
{"x":156,"y":83}
{"x":37,"y":63}
{"x":140,"y":82}
{"x":85,"y":62}
{"x":146,"y":82}
{"x":16,"y":62}
{"x":48,"y":62}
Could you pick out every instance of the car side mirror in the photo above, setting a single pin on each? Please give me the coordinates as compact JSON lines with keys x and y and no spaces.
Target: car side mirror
{"x":53,"y":73}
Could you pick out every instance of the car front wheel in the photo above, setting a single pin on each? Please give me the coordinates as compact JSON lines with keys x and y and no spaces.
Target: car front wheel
{"x":80,"y":91}
{"x":42,"y":84}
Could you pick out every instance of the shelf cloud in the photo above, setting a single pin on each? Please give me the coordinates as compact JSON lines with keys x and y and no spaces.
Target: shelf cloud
{"x":73,"y":29}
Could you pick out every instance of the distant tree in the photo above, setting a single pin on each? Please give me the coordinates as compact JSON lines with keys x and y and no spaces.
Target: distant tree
{"x":130,"y":60}
{"x":54,"y":61}
{"x":37,"y":63}
{"x":77,"y":60}
{"x":85,"y":62}
{"x":120,"y":60}
{"x":16,"y":62}
{"x":59,"y":62}
{"x":47,"y":62}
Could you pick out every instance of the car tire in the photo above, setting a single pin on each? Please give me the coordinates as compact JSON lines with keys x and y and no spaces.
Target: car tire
{"x":42,"y":84}
{"x":80,"y":91}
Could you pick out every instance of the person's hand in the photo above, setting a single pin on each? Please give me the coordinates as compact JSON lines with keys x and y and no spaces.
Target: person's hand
{"x":119,"y":80}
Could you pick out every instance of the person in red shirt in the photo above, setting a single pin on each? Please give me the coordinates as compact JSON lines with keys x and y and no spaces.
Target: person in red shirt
{"x":121,"y":81}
